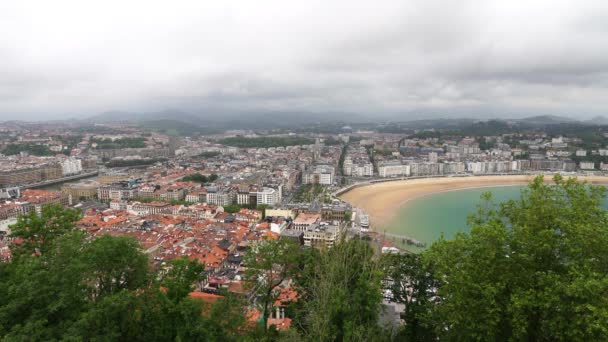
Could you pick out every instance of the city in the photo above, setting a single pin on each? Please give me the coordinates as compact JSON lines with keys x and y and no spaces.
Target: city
{"x":418,"y":170}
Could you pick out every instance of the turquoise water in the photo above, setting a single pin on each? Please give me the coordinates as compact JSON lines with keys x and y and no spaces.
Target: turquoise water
{"x":427,"y":218}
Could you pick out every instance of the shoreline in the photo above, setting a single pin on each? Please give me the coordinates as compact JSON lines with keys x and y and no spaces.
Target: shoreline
{"x":383,"y":200}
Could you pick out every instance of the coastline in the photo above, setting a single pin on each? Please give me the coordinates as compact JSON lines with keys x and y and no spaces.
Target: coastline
{"x":383,"y":200}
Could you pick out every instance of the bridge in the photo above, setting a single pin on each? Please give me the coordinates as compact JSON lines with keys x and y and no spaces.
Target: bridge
{"x":59,"y":180}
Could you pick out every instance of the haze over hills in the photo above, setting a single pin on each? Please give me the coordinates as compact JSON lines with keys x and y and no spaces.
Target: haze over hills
{"x":277,"y":119}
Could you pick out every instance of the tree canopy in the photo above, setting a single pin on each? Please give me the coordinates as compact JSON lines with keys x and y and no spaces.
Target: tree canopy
{"x":535,"y":268}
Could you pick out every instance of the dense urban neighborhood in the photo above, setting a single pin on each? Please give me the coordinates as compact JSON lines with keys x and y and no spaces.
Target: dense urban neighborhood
{"x":221,"y":200}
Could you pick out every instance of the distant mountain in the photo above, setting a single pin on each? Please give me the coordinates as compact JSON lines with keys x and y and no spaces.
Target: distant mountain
{"x":121,"y":116}
{"x":598,"y":120}
{"x":229,"y":119}
{"x":545,"y":120}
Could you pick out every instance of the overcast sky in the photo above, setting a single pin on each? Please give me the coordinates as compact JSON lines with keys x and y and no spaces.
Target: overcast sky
{"x":480,"y":58}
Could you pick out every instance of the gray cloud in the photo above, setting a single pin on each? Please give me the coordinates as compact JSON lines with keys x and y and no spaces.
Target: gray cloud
{"x":482,"y":58}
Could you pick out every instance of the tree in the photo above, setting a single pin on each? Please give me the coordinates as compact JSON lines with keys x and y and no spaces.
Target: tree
{"x":196,"y":177}
{"x":269,"y":263}
{"x":37,"y":232}
{"x":80,"y":288}
{"x":183,"y":274}
{"x":535,"y":268}
{"x":232,"y":208}
{"x":40,"y":295}
{"x":114,"y":264}
{"x":411,"y":283}
{"x":340,"y":291}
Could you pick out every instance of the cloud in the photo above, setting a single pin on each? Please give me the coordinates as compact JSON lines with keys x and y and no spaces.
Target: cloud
{"x":480,"y":58}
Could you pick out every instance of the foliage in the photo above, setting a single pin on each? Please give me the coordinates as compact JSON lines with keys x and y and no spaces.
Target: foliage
{"x":36,"y":233}
{"x":69,"y":140}
{"x":199,"y":178}
{"x":331,"y":141}
{"x":341,"y":293}
{"x":209,"y":154}
{"x":114,"y":264}
{"x":232,"y":208}
{"x":36,"y":150}
{"x":77,"y":289}
{"x":107,"y":143}
{"x":485,"y":144}
{"x":181,"y":277}
{"x":269,"y":263}
{"x":534,"y":268}
{"x":412,"y":283}
{"x":133,"y":162}
{"x":265,"y":141}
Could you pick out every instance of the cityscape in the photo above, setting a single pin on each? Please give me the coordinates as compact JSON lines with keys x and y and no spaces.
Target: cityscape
{"x":303,"y":171}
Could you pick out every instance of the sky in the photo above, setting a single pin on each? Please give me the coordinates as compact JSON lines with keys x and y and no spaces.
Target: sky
{"x":408,"y":58}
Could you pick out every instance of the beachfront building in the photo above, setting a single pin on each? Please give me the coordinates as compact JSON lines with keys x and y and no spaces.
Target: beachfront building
{"x":393,"y":169}
{"x":587,"y":166}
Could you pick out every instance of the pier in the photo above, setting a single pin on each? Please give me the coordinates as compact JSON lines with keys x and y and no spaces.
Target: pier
{"x":404,"y":238}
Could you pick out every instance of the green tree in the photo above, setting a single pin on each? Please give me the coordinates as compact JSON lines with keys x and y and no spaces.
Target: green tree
{"x":181,"y":277}
{"x":412,"y":283}
{"x":100,"y":290}
{"x":232,"y":208}
{"x":37,"y":232}
{"x":532,"y":269}
{"x":114,"y":264}
{"x":269,"y":263}
{"x":41,"y":295}
{"x":341,"y":294}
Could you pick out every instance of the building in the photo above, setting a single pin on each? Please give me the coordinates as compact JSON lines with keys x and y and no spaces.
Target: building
{"x":35,"y":199}
{"x":81,"y":191}
{"x":280,"y":213}
{"x":322,"y":235}
{"x":221,"y":197}
{"x":71,"y":166}
{"x":581,"y":153}
{"x":119,"y":191}
{"x":268,"y":196}
{"x":113,"y":177}
{"x":319,"y":174}
{"x":20,"y":176}
{"x":197,"y":196}
{"x":587,"y":165}
{"x":305,"y":221}
{"x":393,"y":169}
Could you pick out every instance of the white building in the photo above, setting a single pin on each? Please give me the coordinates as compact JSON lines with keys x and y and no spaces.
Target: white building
{"x":581,"y":153}
{"x":587,"y":166}
{"x":268,"y":196}
{"x":363,"y":170}
{"x":320,"y":174}
{"x":393,"y":169}
{"x":71,"y":166}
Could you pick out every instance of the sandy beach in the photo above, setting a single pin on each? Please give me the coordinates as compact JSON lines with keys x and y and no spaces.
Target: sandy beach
{"x":382,"y":200}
